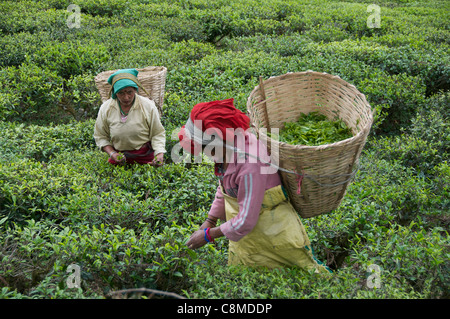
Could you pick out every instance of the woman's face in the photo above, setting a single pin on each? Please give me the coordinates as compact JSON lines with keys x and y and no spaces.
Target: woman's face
{"x":126,"y":96}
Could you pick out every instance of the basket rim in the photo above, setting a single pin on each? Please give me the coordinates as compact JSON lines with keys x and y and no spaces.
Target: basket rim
{"x":160,"y":69}
{"x":363,"y":131}
{"x":346,"y":141}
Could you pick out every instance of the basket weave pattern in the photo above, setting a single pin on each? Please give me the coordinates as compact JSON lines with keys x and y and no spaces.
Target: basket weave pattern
{"x":326,"y":169}
{"x":152,"y":78}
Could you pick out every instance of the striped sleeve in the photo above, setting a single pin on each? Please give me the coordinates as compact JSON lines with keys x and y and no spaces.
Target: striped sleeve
{"x":250,"y":197}
{"x":218,"y":206}
{"x":237,"y":223}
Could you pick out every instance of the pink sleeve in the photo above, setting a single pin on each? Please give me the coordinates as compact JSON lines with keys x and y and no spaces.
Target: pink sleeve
{"x":250,"y":196}
{"x":218,"y":206}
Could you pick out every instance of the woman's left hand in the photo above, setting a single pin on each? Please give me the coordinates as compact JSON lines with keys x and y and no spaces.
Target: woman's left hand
{"x":197,"y":239}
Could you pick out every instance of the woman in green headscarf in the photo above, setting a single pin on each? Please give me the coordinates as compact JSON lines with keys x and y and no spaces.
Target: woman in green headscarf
{"x":128,"y":126}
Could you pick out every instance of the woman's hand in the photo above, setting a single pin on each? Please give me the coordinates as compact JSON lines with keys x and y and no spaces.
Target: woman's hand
{"x":197,"y":239}
{"x":113,"y":154}
{"x":118,"y":157}
{"x":158,"y":160}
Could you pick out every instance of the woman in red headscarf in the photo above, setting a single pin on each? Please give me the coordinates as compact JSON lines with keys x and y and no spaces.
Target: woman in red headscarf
{"x":262,"y":226}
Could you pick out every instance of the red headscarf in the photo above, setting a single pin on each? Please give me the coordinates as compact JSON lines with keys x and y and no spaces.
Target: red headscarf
{"x":215,"y":115}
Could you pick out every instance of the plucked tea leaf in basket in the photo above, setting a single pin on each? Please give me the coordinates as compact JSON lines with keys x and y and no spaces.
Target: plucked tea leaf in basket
{"x":314,"y":129}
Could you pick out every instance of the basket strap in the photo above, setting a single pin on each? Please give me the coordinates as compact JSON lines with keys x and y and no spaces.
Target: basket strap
{"x":302,"y":175}
{"x":128,"y":76}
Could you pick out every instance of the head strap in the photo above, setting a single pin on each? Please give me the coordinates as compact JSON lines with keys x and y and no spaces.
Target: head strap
{"x":121,"y":76}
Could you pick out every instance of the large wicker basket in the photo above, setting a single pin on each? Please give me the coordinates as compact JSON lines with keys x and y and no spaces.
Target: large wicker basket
{"x":152,"y":78}
{"x":315,"y":177}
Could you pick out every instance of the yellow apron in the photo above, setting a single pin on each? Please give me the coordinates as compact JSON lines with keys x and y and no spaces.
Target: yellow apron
{"x":278,"y":239}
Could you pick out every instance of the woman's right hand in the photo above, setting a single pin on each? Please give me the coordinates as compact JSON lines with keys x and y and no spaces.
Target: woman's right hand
{"x":118,"y":157}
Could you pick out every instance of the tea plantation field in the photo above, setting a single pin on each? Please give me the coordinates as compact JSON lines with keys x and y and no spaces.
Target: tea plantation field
{"x":62,"y":205}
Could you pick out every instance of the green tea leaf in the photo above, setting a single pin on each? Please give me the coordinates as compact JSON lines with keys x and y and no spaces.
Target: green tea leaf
{"x":314,"y":129}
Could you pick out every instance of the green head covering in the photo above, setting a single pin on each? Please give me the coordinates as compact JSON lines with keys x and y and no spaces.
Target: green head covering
{"x":123,"y":82}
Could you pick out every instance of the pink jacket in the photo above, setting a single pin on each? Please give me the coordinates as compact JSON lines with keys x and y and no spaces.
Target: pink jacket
{"x":247,"y":181}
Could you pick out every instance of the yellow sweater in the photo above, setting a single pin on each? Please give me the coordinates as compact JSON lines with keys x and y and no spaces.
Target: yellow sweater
{"x":142,"y":125}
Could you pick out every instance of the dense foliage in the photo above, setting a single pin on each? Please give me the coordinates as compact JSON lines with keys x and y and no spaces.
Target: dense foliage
{"x":314,"y":129}
{"x":61,"y":203}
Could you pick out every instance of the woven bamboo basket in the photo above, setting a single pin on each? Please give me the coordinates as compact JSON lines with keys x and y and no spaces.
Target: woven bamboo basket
{"x":315,"y":177}
{"x":152,"y":78}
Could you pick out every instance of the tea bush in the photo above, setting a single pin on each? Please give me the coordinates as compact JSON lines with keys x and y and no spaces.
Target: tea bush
{"x":70,"y":59}
{"x":408,"y":252}
{"x":19,"y":140}
{"x":17,"y":46}
{"x":34,"y":92}
{"x":387,"y":197}
{"x":63,"y":204}
{"x":109,"y":258}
